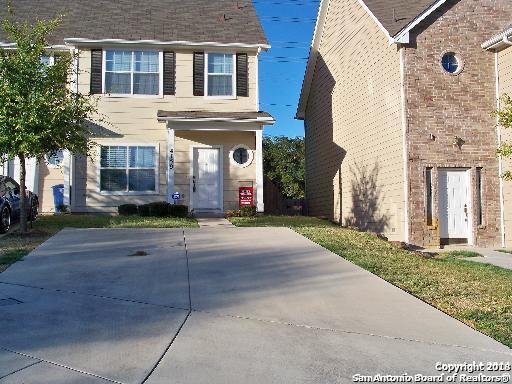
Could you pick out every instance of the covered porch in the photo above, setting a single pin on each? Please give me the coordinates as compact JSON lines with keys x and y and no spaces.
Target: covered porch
{"x":211,"y":155}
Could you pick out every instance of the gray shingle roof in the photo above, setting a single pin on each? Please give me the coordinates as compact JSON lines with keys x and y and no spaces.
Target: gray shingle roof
{"x":405,"y":11}
{"x":223,"y":21}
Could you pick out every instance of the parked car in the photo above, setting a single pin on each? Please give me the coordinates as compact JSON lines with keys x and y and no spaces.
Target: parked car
{"x":10,"y":203}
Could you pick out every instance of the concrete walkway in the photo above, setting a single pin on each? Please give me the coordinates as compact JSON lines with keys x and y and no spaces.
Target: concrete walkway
{"x":489,"y":255}
{"x":209,"y":305}
{"x":214,"y":222}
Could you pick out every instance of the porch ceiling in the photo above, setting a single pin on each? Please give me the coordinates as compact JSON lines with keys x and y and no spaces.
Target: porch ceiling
{"x":236,"y":117}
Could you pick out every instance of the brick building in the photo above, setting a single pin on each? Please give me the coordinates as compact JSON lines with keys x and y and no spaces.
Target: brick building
{"x":397,"y":103}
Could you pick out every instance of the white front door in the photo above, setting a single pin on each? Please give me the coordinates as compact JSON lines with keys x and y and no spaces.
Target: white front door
{"x":206,"y":179}
{"x":454,"y":204}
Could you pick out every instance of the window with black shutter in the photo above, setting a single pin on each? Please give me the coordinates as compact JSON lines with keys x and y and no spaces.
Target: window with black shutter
{"x":242,"y":83}
{"x":169,"y":73}
{"x":198,"y":74}
{"x":96,"y":71}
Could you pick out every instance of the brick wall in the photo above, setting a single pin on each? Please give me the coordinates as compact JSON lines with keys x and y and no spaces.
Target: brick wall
{"x":447,"y":105}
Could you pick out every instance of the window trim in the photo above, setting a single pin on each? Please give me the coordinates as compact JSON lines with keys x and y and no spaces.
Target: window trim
{"x":460,"y":62}
{"x":480,"y":210}
{"x":429,"y":196}
{"x":128,"y":193}
{"x":131,"y":95}
{"x":54,"y":166}
{"x":250,"y":156}
{"x":206,"y":73}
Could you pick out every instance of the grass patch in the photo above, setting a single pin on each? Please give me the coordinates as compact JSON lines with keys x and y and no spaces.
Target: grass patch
{"x":504,"y":250}
{"x":479,"y":295}
{"x":14,"y":246}
{"x":459,"y":254}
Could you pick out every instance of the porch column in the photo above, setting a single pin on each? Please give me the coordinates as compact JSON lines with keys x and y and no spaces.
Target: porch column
{"x":260,"y":206}
{"x":66,"y":163}
{"x":170,"y":164}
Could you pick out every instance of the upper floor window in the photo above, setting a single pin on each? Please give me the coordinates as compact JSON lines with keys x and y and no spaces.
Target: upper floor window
{"x":132,"y":72}
{"x":46,"y":60}
{"x":451,"y":63}
{"x":220,"y":78}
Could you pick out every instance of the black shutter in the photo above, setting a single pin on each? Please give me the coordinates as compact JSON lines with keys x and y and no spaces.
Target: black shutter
{"x":96,"y":71}
{"x":242,"y":82}
{"x":169,"y":73}
{"x":198,"y":73}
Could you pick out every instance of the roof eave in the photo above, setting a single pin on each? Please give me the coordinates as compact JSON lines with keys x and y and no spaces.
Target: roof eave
{"x":77,"y":41}
{"x":261,"y":120}
{"x":313,"y":54}
{"x":402,"y":37}
{"x":498,"y":41}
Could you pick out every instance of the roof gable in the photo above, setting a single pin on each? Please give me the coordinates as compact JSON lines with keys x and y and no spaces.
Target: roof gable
{"x":395,"y":15}
{"x":395,"y":18}
{"x":222,"y":21}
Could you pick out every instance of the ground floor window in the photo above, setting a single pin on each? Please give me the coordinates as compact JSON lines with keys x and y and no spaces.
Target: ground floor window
{"x":429,"y":196}
{"x":128,"y":169}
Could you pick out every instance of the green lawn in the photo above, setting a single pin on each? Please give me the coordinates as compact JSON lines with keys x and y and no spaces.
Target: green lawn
{"x":480,"y":295}
{"x":14,"y":246}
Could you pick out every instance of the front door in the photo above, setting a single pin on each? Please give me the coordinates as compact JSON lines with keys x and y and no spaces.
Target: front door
{"x":206,"y":181}
{"x":454,"y":205}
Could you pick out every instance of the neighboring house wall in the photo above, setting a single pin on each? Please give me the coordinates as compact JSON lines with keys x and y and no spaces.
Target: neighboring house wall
{"x":505,"y":87}
{"x":133,"y":120}
{"x":234,"y":176}
{"x":447,"y":106}
{"x":354,"y":157}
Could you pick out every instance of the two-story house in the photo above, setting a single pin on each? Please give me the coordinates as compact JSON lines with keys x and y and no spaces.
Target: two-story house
{"x":177,"y":82}
{"x":396,"y":102}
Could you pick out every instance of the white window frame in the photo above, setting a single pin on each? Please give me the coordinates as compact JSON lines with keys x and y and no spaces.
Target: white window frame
{"x":128,"y":193}
{"x":250,"y":156}
{"x":131,"y":95}
{"x":206,"y":59}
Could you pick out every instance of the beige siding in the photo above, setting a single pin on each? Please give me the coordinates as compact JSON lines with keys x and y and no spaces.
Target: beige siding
{"x":234,"y":177}
{"x":184,"y":100}
{"x":354,"y":146}
{"x":133,"y":120}
{"x":505,"y":76}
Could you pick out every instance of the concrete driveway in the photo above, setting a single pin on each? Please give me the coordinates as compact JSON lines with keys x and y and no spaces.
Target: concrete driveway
{"x":228,"y":305}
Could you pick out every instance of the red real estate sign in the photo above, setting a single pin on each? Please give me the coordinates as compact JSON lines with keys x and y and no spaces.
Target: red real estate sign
{"x":246,"y":196}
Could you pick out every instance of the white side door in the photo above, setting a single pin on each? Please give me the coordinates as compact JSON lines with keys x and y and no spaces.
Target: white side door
{"x":454,"y":204}
{"x":206,"y":181}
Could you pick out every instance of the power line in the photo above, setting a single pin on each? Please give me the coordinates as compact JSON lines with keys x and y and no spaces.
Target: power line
{"x":288,"y":19}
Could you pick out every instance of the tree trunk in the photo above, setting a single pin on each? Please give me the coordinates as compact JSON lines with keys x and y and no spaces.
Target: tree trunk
{"x":23,"y":200}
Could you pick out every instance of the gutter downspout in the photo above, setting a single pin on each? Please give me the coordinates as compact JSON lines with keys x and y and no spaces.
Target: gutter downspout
{"x":405,"y":146}
{"x":500,"y":157}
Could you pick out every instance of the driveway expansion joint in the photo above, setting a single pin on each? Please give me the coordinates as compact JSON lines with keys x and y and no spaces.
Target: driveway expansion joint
{"x":93,"y":295}
{"x":61,"y":366}
{"x":344,"y":331}
{"x":184,"y":321}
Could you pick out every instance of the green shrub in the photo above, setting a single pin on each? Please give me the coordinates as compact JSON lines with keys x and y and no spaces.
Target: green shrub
{"x":177,"y":210}
{"x":231,"y":213}
{"x":159,"y":209}
{"x":127,"y":209}
{"x":247,"y":211}
{"x":144,"y":210}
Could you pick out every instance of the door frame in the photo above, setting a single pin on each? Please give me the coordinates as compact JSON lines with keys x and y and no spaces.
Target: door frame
{"x":221,"y":174}
{"x":469,"y":174}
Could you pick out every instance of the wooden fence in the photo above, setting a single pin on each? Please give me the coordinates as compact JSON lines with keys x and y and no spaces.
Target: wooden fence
{"x":276,"y":204}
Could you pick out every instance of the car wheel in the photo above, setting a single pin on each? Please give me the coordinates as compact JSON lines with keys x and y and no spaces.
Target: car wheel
{"x":5,"y":220}
{"x":34,"y":210}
